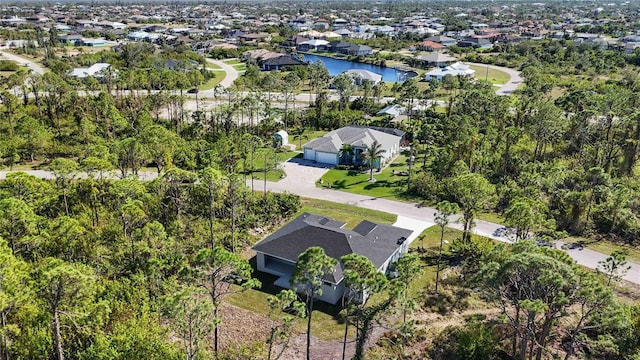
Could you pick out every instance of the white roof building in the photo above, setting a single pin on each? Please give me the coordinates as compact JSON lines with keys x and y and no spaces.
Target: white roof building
{"x":359,"y":75}
{"x":95,"y":70}
{"x":457,"y":69}
{"x":315,"y":42}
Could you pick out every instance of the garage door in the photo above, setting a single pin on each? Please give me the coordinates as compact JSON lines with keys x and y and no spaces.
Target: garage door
{"x":310,"y":154}
{"x":326,"y":158}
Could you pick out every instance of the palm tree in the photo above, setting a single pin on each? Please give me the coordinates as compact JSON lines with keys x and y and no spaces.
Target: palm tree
{"x":373,"y":153}
{"x":299,"y":134}
{"x":346,"y":153}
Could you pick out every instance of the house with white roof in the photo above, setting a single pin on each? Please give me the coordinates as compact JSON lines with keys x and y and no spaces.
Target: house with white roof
{"x":328,"y":149}
{"x":360,"y":75}
{"x":314,"y":44}
{"x":457,"y":69}
{"x":96,"y":70}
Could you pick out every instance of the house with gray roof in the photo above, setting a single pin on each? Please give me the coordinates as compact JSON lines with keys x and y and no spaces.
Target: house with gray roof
{"x":278,"y":253}
{"x":328,"y":149}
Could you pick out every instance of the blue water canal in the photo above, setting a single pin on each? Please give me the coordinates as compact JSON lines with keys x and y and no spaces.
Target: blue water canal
{"x":338,"y":66}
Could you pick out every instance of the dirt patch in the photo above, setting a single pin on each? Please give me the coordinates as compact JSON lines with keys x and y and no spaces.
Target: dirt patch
{"x":240,"y":327}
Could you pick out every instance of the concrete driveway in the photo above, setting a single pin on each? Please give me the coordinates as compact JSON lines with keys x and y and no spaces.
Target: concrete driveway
{"x":301,"y":176}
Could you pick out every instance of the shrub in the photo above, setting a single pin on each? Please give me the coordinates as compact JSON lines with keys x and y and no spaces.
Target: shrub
{"x":8,"y":65}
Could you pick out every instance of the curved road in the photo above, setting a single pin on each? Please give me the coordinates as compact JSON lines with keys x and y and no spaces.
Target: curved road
{"x":302,"y":175}
{"x":232,"y":74}
{"x":510,"y":86}
{"x":24,"y":62}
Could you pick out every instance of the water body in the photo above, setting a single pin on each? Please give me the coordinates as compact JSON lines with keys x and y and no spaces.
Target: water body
{"x":338,"y":66}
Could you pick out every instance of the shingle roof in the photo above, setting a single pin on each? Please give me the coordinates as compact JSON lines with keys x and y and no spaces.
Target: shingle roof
{"x":354,"y":136}
{"x":375,"y":241}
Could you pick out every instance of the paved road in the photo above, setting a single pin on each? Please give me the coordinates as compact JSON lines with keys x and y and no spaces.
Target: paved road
{"x":511,"y":85}
{"x":302,"y":176}
{"x":232,"y":74}
{"x":23,"y":61}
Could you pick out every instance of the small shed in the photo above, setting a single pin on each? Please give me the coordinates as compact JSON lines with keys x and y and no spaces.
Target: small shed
{"x":280,"y":138}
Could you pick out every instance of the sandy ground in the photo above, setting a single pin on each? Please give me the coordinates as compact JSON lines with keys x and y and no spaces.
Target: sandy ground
{"x":241,"y":326}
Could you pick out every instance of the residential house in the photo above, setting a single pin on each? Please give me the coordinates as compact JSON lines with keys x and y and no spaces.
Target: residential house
{"x":457,"y":69}
{"x":430,"y":46}
{"x":328,"y":149}
{"x":280,"y":62}
{"x":339,"y":24}
{"x":345,"y":33}
{"x":392,"y":110}
{"x":320,"y":25}
{"x":338,"y":46}
{"x":436,"y":59}
{"x":96,"y":70}
{"x":278,"y":253}
{"x":294,"y":41}
{"x":315,"y":44}
{"x":70,"y":39}
{"x":395,"y":112}
{"x":474,"y":42}
{"x":92,"y":42}
{"x":360,"y":75}
{"x":357,"y":50}
{"x":443,"y":40}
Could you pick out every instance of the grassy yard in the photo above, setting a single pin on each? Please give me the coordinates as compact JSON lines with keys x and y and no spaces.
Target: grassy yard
{"x":213,"y":66}
{"x":352,"y":215}
{"x":4,"y":74}
{"x":389,"y":183}
{"x":326,"y":323}
{"x":240,"y":67}
{"x":211,"y":83}
{"x":492,"y":75}
{"x":231,"y":61}
{"x":273,"y":174}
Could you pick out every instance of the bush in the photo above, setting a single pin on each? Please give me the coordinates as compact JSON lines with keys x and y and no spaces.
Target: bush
{"x":8,"y":65}
{"x":473,"y":341}
{"x":427,"y":186}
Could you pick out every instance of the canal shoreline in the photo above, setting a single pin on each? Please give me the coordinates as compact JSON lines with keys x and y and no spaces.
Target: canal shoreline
{"x":336,"y":70}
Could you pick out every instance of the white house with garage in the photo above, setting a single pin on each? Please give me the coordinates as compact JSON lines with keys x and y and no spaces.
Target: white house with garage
{"x":329,"y":148}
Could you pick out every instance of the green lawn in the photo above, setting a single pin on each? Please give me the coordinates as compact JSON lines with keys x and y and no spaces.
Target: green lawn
{"x":326,"y":322}
{"x":5,"y":74}
{"x":492,"y":75}
{"x":213,"y":66}
{"x":389,"y":184}
{"x":240,"y":67}
{"x":273,"y":174}
{"x":352,"y":215}
{"x":231,"y":61}
{"x":211,"y":83}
